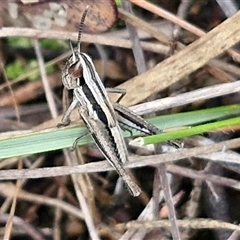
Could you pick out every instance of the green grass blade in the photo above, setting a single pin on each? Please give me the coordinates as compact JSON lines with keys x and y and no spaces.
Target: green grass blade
{"x":196,"y":117}
{"x":42,"y":141}
{"x":191,"y":131}
{"x":25,"y":143}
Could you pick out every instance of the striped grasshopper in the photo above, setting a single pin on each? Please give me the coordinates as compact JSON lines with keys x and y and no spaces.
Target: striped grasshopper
{"x":101,"y":117}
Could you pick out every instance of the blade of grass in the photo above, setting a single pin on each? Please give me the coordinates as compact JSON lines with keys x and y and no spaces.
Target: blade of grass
{"x":42,"y":141}
{"x":29,"y":142}
{"x":195,"y":117}
{"x":190,"y":131}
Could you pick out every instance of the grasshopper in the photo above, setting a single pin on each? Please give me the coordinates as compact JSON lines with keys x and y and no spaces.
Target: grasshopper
{"x":96,"y":110}
{"x":101,"y":117}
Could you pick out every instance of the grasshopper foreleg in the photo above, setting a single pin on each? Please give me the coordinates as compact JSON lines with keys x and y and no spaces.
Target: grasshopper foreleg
{"x":66,"y":117}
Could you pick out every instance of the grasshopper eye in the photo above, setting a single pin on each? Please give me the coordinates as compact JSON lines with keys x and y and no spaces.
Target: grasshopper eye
{"x":75,"y":70}
{"x":72,"y":75}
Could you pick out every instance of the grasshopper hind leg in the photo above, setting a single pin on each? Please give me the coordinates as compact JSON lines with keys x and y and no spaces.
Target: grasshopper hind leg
{"x":132,"y":187}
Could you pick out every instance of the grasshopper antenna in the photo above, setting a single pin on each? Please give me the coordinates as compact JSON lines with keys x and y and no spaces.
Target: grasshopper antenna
{"x":71,"y":46}
{"x":81,"y":25}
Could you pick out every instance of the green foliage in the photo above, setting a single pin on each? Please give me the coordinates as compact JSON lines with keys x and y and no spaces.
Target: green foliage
{"x":31,"y":65}
{"x":53,"y":44}
{"x":15,"y":69}
{"x":19,"y":42}
{"x":22,"y":66}
{"x":118,"y":2}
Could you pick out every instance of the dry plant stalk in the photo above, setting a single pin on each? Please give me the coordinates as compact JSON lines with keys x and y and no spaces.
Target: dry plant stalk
{"x":184,"y":62}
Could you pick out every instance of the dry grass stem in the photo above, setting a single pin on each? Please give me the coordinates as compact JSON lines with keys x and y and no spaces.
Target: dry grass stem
{"x":8,"y":189}
{"x":91,"y":38}
{"x":186,"y":98}
{"x":183,"y":224}
{"x":46,"y":85}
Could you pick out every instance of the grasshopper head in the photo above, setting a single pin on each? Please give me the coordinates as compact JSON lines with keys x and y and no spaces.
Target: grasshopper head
{"x":73,"y":70}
